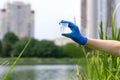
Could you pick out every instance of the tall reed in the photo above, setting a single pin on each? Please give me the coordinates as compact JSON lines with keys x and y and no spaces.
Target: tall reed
{"x":16,"y":60}
{"x":100,"y":65}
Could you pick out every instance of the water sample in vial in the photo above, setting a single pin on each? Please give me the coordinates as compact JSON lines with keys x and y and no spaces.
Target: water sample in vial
{"x":64,"y":28}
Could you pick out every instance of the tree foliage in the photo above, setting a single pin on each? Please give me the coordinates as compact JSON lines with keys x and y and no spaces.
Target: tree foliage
{"x":72,"y":50}
{"x":8,"y":41}
{"x":11,"y":46}
{"x":11,"y":37}
{"x":36,"y":48}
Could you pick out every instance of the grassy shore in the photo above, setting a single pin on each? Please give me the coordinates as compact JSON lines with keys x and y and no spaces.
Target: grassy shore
{"x":34,"y":61}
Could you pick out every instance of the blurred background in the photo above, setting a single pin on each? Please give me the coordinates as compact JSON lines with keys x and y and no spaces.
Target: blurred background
{"x":49,"y":56}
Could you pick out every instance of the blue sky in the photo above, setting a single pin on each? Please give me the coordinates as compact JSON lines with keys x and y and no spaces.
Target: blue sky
{"x":48,"y":13}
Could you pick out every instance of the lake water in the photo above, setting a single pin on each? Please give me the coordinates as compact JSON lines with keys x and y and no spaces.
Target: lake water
{"x":40,"y":72}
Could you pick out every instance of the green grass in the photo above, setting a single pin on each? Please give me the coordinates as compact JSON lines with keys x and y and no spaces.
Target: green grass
{"x":14,"y":63}
{"x":100,"y":65}
{"x":37,"y":61}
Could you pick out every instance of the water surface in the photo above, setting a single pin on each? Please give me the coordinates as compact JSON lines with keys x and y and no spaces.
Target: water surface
{"x":40,"y":72}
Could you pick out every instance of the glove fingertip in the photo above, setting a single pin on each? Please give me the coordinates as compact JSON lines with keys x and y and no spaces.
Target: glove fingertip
{"x":63,"y":21}
{"x":66,"y":35}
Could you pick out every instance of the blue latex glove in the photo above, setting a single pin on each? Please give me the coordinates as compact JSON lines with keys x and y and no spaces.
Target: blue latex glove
{"x":75,"y":34}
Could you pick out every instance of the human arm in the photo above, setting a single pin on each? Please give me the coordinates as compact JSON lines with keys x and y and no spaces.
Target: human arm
{"x":110,"y":46}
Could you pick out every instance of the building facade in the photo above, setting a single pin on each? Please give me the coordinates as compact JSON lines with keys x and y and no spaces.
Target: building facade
{"x":18,"y":18}
{"x":88,"y":17}
{"x":92,"y":29}
{"x":84,"y":16}
{"x":118,"y":14}
{"x":93,"y":12}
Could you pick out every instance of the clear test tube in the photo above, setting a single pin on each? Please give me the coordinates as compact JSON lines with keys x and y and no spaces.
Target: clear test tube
{"x":64,"y":28}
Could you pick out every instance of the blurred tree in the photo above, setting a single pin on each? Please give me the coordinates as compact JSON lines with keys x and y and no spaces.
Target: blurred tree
{"x":11,"y":37}
{"x":44,"y":48}
{"x":72,"y":50}
{"x":0,"y":48}
{"x":18,"y":47}
{"x":6,"y":48}
{"x":8,"y":41}
{"x":49,"y":49}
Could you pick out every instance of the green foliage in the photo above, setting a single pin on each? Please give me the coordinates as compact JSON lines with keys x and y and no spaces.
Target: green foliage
{"x":11,"y":47}
{"x":0,"y":48}
{"x":10,"y":37}
{"x":6,"y":48}
{"x":49,"y":49}
{"x":37,"y":48}
{"x":17,"y":48}
{"x":72,"y":50}
{"x":100,"y":65}
{"x":16,"y":60}
{"x":7,"y":43}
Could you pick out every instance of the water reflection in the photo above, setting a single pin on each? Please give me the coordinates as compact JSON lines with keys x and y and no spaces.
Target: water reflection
{"x":40,"y":72}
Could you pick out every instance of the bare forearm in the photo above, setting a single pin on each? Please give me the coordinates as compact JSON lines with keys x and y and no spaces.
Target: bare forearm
{"x":110,"y":46}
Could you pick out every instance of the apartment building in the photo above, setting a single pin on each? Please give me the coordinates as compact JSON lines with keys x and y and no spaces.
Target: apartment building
{"x":17,"y":17}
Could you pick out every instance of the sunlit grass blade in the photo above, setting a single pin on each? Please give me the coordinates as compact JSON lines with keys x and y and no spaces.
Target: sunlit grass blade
{"x":101,"y":30}
{"x":14,"y":63}
{"x":79,"y":77}
{"x":113,"y":19}
{"x":111,"y":75}
{"x":118,"y":36}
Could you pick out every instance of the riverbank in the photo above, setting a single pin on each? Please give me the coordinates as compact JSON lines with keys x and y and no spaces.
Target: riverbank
{"x":34,"y":61}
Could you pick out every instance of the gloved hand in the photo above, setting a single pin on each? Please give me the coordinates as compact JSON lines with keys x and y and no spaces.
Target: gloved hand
{"x":75,"y":34}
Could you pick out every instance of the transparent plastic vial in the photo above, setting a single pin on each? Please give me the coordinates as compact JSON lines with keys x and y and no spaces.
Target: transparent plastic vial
{"x":64,"y":28}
